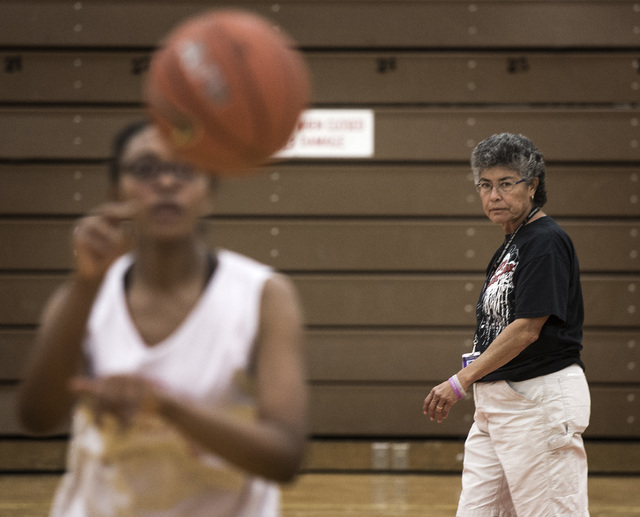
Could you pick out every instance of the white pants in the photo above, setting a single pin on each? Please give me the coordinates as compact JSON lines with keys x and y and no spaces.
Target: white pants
{"x":524,"y":455}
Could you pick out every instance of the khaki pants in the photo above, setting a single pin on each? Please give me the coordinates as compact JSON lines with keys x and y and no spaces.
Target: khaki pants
{"x":524,"y":454}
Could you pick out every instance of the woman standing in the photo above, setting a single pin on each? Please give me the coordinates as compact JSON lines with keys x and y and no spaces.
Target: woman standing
{"x":524,"y":454}
{"x":181,"y":363}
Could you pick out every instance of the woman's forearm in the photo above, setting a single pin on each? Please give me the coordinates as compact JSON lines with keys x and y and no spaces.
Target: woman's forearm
{"x":517,"y":336}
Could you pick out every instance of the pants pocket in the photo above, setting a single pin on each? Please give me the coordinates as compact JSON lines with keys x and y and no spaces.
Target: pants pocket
{"x":577,"y":401}
{"x":569,"y":407}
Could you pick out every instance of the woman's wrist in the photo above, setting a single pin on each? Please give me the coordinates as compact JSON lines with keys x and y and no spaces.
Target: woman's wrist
{"x":456,"y":386}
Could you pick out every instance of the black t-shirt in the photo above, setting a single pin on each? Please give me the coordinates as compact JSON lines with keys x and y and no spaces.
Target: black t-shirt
{"x":538,"y":276}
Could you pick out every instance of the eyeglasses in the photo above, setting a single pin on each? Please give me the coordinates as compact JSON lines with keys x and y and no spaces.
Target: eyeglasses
{"x":146,"y":169}
{"x":503,"y":187}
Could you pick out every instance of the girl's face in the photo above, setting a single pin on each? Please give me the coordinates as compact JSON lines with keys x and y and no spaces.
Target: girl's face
{"x":170,"y":197}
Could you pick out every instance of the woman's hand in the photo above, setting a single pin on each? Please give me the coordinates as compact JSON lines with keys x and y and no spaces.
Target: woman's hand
{"x":439,"y":402}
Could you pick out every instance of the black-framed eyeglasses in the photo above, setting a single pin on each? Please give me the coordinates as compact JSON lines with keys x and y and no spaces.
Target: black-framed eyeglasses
{"x":148,"y":169}
{"x":503,"y":187}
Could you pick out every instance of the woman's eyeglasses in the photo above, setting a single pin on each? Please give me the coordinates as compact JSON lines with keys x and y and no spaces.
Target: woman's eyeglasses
{"x":503,"y":187}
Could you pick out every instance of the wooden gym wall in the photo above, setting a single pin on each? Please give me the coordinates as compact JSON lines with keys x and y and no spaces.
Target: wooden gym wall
{"x":387,"y":252}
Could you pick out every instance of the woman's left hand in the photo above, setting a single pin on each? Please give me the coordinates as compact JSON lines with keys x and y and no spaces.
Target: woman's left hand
{"x":439,"y":402}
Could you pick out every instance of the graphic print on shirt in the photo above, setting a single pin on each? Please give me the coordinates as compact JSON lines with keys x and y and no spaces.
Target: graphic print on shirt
{"x":494,"y":307}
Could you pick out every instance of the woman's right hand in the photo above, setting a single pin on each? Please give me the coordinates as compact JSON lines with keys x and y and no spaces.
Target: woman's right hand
{"x":100,"y":238}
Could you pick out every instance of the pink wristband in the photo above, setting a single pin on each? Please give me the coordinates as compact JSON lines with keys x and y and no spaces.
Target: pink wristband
{"x":457,"y":387}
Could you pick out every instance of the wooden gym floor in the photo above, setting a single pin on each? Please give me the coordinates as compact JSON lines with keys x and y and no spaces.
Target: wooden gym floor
{"x":354,"y":495}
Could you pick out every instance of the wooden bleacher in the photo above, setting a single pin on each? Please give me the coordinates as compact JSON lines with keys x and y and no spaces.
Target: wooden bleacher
{"x":387,"y":252}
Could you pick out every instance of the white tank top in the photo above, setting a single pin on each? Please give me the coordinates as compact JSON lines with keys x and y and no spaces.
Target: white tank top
{"x":151,"y":470}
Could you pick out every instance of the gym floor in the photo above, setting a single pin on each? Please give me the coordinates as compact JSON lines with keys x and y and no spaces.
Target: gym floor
{"x":354,"y":495}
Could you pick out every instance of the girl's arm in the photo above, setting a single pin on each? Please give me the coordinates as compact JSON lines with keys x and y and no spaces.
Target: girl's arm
{"x":44,"y":399}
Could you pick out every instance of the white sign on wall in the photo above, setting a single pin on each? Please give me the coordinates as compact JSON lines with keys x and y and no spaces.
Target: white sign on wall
{"x":332,"y":133}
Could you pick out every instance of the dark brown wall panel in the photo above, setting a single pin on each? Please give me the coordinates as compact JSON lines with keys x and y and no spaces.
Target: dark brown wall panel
{"x":346,"y":356}
{"x":15,"y":348}
{"x":22,"y":297}
{"x":352,"y":78}
{"x":429,"y":355}
{"x":356,"y":23}
{"x":48,"y":190}
{"x":401,"y":134}
{"x":75,"y":77}
{"x":568,"y":135}
{"x":610,"y":301}
{"x":342,"y":189}
{"x":508,"y":77}
{"x":387,"y":252}
{"x":383,"y":410}
{"x":366,"y":300}
{"x":345,"y":245}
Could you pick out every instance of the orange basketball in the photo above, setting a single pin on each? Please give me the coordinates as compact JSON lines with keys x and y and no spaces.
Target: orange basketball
{"x":226,"y":90}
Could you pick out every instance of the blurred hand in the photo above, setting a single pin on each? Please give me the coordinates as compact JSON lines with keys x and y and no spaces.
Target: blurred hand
{"x":121,"y":396}
{"x":100,"y":238}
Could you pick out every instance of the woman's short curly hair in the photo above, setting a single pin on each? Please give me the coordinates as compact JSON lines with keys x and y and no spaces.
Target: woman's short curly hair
{"x":514,"y":152}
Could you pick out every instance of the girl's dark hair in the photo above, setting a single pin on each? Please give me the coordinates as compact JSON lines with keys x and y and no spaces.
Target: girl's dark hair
{"x":120,"y":142}
{"x":514,"y":152}
{"x":119,"y":146}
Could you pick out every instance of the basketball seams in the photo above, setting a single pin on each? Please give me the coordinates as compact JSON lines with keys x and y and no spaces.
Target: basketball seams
{"x":167,"y":74}
{"x":242,"y":71}
{"x":267,"y":85}
{"x":215,"y":120}
{"x":177,"y":79}
{"x":275,"y":121}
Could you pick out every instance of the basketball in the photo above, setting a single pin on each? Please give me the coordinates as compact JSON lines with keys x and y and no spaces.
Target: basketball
{"x":226,"y":89}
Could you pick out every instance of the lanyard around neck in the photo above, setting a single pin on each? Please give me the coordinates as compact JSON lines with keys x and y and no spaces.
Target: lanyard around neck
{"x":497,"y":262}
